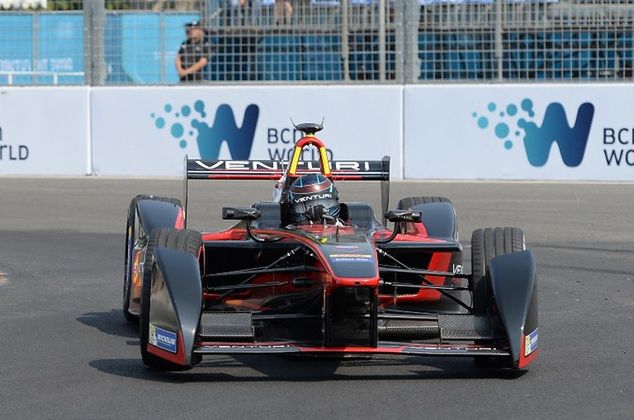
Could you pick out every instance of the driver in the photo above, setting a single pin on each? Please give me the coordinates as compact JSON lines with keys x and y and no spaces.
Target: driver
{"x":312,"y":198}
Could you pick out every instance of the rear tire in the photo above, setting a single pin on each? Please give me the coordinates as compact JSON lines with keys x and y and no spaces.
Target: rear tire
{"x":409,"y":202}
{"x":441,"y":225}
{"x":180,"y":240}
{"x":130,"y":238}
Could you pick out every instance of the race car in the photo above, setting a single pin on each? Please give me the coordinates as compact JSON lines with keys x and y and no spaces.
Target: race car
{"x":308,"y":274}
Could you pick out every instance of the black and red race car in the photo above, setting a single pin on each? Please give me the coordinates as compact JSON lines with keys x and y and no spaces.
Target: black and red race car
{"x":267,"y":286}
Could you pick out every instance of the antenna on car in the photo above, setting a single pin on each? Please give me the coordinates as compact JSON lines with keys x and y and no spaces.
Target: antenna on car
{"x":309,"y":129}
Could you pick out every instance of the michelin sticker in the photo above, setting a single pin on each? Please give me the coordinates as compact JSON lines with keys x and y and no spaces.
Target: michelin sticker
{"x":162,"y":339}
{"x":530,"y":343}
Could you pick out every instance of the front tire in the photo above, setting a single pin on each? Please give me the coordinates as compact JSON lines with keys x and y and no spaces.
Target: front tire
{"x":486,"y":244}
{"x":131,"y":236}
{"x":185,"y":240}
{"x":127,"y":267}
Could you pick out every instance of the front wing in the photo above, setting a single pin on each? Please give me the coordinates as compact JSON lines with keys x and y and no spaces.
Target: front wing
{"x":176,"y":308}
{"x":382,"y":348}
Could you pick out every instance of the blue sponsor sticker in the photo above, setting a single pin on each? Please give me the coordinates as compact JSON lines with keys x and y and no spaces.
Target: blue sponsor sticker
{"x":530,"y":343}
{"x":351,"y":257}
{"x":163,"y":339}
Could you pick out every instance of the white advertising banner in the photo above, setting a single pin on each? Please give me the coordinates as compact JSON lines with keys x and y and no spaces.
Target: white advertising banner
{"x":147,"y":131}
{"x":44,"y":131}
{"x":545,"y":132}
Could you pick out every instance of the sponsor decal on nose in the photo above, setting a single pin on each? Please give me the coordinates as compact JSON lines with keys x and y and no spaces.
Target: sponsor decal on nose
{"x":163,"y":339}
{"x":530,"y":343}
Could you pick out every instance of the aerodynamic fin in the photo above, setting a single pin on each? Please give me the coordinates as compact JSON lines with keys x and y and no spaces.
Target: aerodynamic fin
{"x":348,"y":170}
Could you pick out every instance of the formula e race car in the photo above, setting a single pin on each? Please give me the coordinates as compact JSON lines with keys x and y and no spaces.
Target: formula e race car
{"x":326,"y":282}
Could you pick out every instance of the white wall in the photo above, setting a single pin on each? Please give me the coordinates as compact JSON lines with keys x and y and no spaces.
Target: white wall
{"x":443,"y":139}
{"x":130,"y":139}
{"x":431,"y":132}
{"x":44,"y":131}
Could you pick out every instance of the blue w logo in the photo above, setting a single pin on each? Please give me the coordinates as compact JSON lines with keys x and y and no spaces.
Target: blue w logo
{"x":571,"y":141}
{"x":538,"y":140}
{"x":209,"y":138}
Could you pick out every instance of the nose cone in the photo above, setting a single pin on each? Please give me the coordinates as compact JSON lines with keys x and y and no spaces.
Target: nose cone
{"x":354,"y":263}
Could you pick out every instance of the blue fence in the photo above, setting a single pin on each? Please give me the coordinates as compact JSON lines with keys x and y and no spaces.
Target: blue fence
{"x":56,"y":48}
{"x":561,"y":55}
{"x":140,"y":48}
{"x":276,"y":57}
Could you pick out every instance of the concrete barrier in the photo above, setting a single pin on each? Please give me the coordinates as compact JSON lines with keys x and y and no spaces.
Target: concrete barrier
{"x":44,"y":131}
{"x":544,"y":132}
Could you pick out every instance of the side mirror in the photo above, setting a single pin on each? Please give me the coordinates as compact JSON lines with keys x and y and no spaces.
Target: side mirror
{"x":399,"y":216}
{"x":245,"y":213}
{"x":404,"y":216}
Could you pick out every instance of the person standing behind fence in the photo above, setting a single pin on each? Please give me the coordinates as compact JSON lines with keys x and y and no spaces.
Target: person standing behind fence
{"x":282,"y":11}
{"x":193,"y":54}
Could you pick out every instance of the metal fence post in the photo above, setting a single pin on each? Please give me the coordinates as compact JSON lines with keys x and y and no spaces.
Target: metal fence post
{"x":94,"y":51}
{"x":35,"y":28}
{"x":99,"y":27}
{"x":87,"y":42}
{"x":499,"y":48}
{"x":410,"y":16}
{"x":345,"y":44}
{"x":382,"y":49}
{"x":162,"y":61}
{"x":399,"y":41}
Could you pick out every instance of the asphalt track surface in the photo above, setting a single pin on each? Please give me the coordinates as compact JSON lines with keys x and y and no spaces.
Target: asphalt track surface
{"x":67,"y":352}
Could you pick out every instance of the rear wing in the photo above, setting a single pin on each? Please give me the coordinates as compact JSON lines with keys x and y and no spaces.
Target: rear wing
{"x":348,"y":170}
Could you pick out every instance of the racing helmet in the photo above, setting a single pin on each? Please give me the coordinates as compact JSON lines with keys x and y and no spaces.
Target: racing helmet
{"x":309,"y":193}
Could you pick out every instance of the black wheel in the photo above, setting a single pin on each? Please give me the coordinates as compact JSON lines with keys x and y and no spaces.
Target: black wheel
{"x":439,"y":221}
{"x":180,"y":240}
{"x":486,"y":244}
{"x":127,"y":267}
{"x":133,"y":232}
{"x":409,"y":202}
